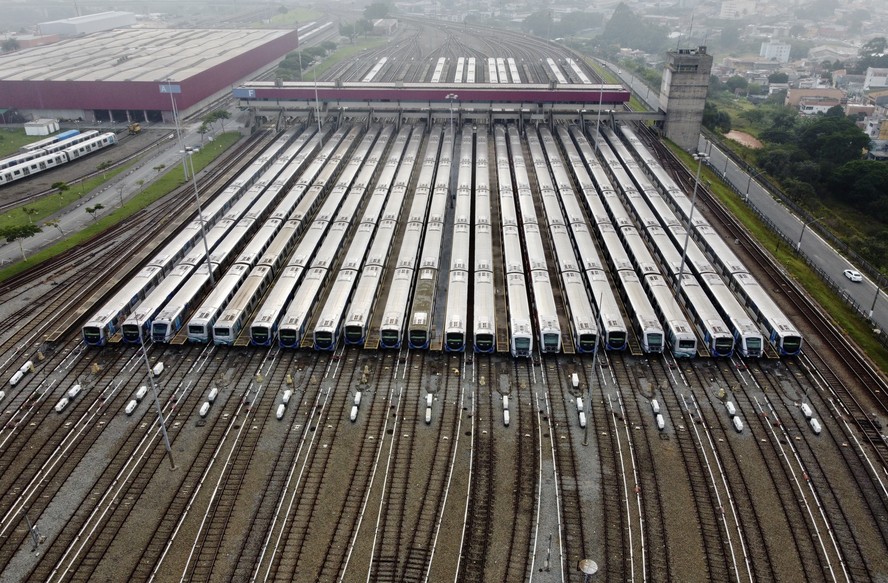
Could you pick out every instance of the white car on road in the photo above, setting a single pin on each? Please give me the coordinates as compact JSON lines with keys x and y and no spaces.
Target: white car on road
{"x":853,"y":275}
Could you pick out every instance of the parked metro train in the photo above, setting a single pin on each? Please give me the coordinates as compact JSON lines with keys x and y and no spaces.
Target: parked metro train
{"x":56,"y":154}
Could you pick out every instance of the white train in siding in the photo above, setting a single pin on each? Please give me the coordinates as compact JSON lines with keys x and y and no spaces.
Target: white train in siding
{"x":513,"y":70}
{"x":747,"y":337}
{"x":578,"y":72}
{"x":521,"y":339}
{"x":680,"y":335}
{"x":360,"y":310}
{"x":200,"y":326}
{"x":233,"y":318}
{"x":501,"y":71}
{"x":643,"y":316}
{"x":138,"y":325}
{"x":107,"y":321}
{"x":329,"y":326}
{"x":546,"y":313}
{"x":492,"y":73}
{"x":715,"y":332}
{"x":456,"y":318}
{"x":781,"y":332}
{"x":456,"y":310}
{"x":484,"y":311}
{"x":471,"y":68}
{"x":459,"y":74}
{"x":293,"y":324}
{"x":392,"y":327}
{"x":582,"y":316}
{"x":611,"y":325}
{"x":565,"y":258}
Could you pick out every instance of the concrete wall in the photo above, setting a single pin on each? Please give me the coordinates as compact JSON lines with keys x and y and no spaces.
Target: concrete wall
{"x":683,"y":94}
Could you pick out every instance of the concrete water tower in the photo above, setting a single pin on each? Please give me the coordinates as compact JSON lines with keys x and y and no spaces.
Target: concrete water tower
{"x":683,"y":94}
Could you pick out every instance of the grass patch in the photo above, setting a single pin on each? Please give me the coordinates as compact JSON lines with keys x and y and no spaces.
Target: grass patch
{"x":172,"y":179}
{"x":11,"y":139}
{"x":52,"y":203}
{"x":841,"y":313}
{"x":340,"y":54}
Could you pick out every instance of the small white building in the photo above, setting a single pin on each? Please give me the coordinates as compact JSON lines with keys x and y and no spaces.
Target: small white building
{"x":41,"y":127}
{"x":875,"y":78}
{"x":775,"y":51}
{"x":88,"y":24}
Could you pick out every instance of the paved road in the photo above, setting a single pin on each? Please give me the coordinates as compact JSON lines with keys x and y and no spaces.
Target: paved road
{"x":820,"y":253}
{"x":74,"y":217}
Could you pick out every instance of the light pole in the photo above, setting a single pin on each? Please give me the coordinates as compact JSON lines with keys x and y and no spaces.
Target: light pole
{"x":163,"y":429}
{"x":203,"y":230}
{"x":875,"y":299}
{"x":805,"y":226}
{"x":699,"y":157}
{"x":749,"y":183}
{"x":172,"y":90}
{"x":451,"y":97}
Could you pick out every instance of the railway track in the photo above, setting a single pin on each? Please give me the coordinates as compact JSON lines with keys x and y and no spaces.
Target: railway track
{"x":658,"y":565}
{"x":868,"y":385}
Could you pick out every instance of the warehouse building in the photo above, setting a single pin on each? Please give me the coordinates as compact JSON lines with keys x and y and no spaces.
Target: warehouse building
{"x":135,"y":74}
{"x":88,"y":24}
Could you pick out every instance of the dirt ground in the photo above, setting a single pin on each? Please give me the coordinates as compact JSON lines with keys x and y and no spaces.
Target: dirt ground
{"x":745,"y":139}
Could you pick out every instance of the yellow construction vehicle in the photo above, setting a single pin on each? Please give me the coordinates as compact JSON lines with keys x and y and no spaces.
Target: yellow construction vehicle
{"x":135,"y":128}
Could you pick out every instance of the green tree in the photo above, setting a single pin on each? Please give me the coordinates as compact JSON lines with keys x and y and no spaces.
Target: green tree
{"x":626,"y":29}
{"x":873,"y":54}
{"x":94,"y":211}
{"x":736,"y":82}
{"x":219,"y":115}
{"x":778,"y":78}
{"x":56,"y":224}
{"x":10,"y":45}
{"x":159,"y":168}
{"x":20,"y":233}
{"x":30,"y":212}
{"x":377,"y":10}
{"x":832,"y":140}
{"x":62,"y":187}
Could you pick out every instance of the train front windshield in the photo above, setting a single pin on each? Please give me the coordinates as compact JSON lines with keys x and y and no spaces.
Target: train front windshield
{"x":484,"y":341}
{"x":655,"y":342}
{"x":724,"y":345}
{"x":158,"y":332}
{"x":196,"y":330}
{"x":418,"y":337}
{"x":616,"y":340}
{"x":550,"y":342}
{"x":753,"y":346}
{"x":131,"y":332}
{"x":259,"y":334}
{"x":324,"y":339}
{"x":522,"y":346}
{"x":288,"y":337}
{"x":792,"y":344}
{"x":353,"y":334}
{"x":92,"y":334}
{"x":587,"y":342}
{"x":389,"y":338}
{"x":455,"y":340}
